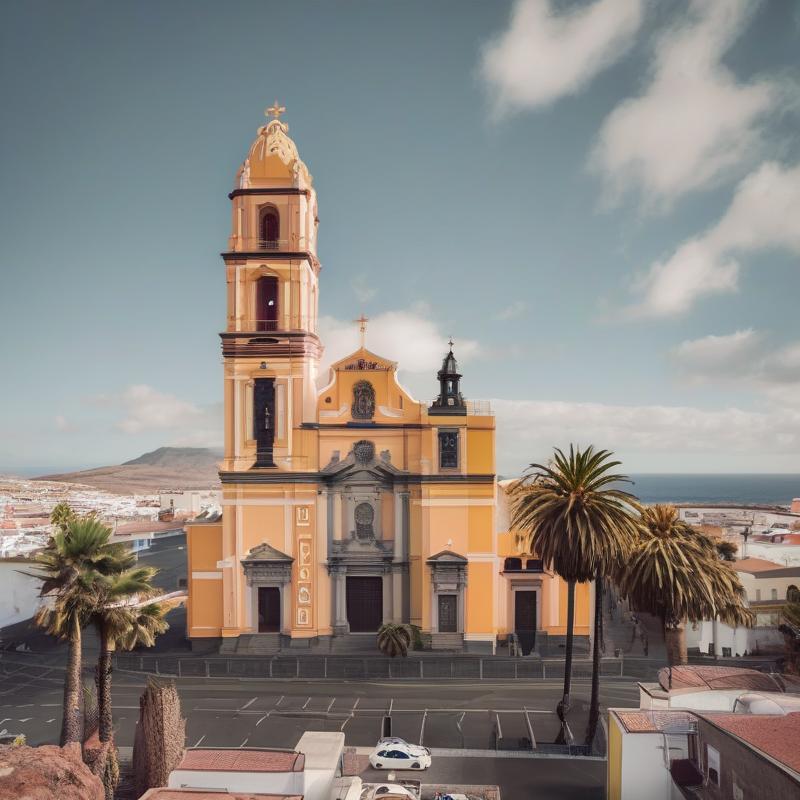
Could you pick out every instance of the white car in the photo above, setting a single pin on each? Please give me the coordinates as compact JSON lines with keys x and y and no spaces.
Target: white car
{"x":390,"y":791}
{"x":400,"y":756}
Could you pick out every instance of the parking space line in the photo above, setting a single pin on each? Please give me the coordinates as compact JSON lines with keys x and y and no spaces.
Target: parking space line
{"x":345,"y":722}
{"x":54,"y":719}
{"x":245,"y":742}
{"x":306,"y":702}
{"x":530,"y":729}
{"x":249,"y":703}
{"x":355,"y":705}
{"x":330,"y":705}
{"x":280,"y":701}
{"x":261,"y":720}
{"x":422,"y":727}
{"x":391,"y":704}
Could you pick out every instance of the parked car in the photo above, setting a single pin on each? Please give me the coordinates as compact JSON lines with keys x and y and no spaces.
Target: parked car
{"x":391,"y":791}
{"x":400,"y":756}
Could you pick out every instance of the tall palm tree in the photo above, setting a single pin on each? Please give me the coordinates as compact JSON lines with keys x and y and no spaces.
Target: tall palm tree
{"x":123,"y":621}
{"x":676,"y":573}
{"x":71,"y":568}
{"x":569,"y":513}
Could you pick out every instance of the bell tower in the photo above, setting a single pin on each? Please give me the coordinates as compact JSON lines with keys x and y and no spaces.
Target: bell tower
{"x":270,"y":345}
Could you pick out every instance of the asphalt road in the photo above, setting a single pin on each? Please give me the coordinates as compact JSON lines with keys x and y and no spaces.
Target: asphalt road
{"x":251,"y":713}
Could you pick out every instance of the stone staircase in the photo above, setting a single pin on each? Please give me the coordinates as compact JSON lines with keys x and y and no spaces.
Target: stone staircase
{"x":252,"y":644}
{"x":354,"y":643}
{"x":447,"y":641}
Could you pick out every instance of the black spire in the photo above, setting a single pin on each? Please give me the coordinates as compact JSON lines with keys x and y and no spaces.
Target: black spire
{"x":449,"y":400}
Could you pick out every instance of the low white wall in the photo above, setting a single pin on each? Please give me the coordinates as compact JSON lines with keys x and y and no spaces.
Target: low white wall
{"x":19,"y":594}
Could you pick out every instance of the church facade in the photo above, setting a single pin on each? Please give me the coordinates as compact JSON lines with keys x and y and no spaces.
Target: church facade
{"x":346,"y":502}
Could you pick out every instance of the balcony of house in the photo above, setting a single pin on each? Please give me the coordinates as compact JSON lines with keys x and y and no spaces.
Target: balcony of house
{"x":475,"y":408}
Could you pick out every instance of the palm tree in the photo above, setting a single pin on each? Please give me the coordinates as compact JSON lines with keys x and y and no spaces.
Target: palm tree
{"x":727,"y":550}
{"x":393,"y":639}
{"x":123,"y":622}
{"x":569,"y":513}
{"x":676,"y":573}
{"x":71,"y":568}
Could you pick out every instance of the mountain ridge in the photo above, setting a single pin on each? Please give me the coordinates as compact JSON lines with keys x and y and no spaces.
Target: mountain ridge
{"x":156,"y":470}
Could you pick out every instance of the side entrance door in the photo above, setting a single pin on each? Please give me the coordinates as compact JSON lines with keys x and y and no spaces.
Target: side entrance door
{"x":525,"y":620}
{"x":448,"y":609}
{"x":269,"y":609}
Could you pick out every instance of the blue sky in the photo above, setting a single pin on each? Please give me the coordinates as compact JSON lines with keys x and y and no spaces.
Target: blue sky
{"x":598,"y":200}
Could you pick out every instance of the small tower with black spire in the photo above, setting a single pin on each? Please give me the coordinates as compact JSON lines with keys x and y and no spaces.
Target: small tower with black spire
{"x":449,"y":400}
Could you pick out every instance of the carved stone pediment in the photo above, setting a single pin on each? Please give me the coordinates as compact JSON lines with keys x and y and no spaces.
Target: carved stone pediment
{"x":266,"y":564}
{"x":448,"y":571}
{"x":363,"y":466}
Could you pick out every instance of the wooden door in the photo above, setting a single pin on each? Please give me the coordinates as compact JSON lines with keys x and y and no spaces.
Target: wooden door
{"x":269,"y":609}
{"x":525,"y":620}
{"x":448,"y":611}
{"x":364,"y":603}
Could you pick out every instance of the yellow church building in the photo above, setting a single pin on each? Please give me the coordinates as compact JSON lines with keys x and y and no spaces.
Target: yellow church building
{"x":346,"y":503}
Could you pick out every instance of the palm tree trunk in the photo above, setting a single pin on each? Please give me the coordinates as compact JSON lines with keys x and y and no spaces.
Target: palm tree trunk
{"x":72,"y":718}
{"x":105,"y":715}
{"x":563,"y":706}
{"x":594,"y":703}
{"x":675,"y":641}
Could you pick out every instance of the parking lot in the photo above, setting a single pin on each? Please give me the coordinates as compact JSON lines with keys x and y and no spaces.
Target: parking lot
{"x":233,"y":713}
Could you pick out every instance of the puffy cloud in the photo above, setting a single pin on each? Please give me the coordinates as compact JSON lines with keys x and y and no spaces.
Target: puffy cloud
{"x":545,"y":55}
{"x":743,"y":356}
{"x":762,"y":216}
{"x":410,"y":337}
{"x":694,"y":121}
{"x":63,"y":425}
{"x":144,"y":409}
{"x":512,"y":311}
{"x":651,"y":437}
{"x":362,"y":289}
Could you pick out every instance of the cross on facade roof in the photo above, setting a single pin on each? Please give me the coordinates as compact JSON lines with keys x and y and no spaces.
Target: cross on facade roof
{"x":362,"y":327}
{"x":275,"y":110}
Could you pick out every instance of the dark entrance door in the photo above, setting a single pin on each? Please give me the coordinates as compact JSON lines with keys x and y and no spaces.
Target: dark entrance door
{"x":448,"y":608}
{"x":269,"y":609}
{"x":364,"y":604}
{"x":525,"y":620}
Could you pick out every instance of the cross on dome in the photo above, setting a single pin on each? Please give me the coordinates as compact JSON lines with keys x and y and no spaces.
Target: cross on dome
{"x":275,"y":110}
{"x":451,"y":343}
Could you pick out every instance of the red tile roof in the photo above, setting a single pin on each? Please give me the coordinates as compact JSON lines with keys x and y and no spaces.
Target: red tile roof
{"x":648,"y":721}
{"x":776,"y":736}
{"x":690,"y":676}
{"x":200,"y":794}
{"x":754,"y":565}
{"x":242,"y":760}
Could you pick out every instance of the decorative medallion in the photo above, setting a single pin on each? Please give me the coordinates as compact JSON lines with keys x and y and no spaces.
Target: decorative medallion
{"x":363,"y":400}
{"x":364,"y":515}
{"x":364,"y":451}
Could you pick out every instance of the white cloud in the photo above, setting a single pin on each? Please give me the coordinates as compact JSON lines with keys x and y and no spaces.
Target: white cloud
{"x":410,"y":337}
{"x":744,"y":357}
{"x":545,"y":55}
{"x":363,"y":291}
{"x":144,"y":409}
{"x":694,"y":122}
{"x":512,"y":311}
{"x":64,"y":425}
{"x":762,"y":216}
{"x":654,"y":437}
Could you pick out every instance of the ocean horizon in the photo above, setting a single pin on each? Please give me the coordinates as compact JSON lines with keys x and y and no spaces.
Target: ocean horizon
{"x":746,"y":488}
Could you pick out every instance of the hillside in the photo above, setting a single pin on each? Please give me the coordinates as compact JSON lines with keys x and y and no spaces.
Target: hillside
{"x":164,"y":468}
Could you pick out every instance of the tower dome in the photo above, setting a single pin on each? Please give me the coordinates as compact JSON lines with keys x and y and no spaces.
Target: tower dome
{"x":450,"y":400}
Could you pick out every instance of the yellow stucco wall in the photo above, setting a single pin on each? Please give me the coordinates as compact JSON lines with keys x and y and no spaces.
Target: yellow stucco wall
{"x":204,"y":604}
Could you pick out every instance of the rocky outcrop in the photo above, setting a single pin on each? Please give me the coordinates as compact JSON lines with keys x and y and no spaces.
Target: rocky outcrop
{"x":47,"y":773}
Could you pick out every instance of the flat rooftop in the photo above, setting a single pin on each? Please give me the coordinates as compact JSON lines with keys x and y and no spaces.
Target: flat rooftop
{"x":241,"y":760}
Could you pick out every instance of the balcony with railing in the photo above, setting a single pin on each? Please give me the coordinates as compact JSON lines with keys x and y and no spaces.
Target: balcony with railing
{"x":476,"y":408}
{"x":243,"y":244}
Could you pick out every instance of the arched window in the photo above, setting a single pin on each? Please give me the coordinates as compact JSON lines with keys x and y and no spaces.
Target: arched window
{"x":268,"y":228}
{"x":267,"y":303}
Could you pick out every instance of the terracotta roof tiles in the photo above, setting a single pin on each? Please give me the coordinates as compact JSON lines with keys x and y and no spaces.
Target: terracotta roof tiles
{"x":242,"y":760}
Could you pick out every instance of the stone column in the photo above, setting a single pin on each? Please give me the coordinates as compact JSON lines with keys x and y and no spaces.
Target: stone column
{"x":337,"y":515}
{"x":340,"y":624}
{"x":386,"y":580}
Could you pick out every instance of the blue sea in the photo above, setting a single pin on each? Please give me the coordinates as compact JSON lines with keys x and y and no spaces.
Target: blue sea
{"x":757,"y":489}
